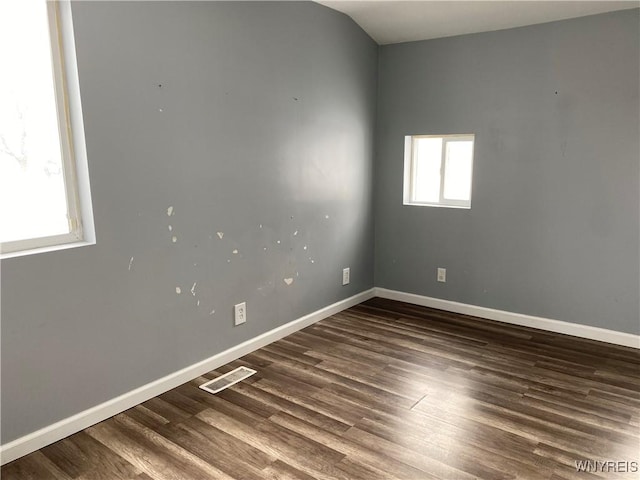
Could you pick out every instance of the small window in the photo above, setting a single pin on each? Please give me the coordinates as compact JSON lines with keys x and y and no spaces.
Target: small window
{"x":44,"y":184}
{"x":438,"y":170}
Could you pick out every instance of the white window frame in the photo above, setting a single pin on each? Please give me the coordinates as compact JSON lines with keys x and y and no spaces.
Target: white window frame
{"x":72,"y":141}
{"x":410,"y":167}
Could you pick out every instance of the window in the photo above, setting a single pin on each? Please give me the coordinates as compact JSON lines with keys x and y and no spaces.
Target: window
{"x":45,"y":201}
{"x":438,"y":170}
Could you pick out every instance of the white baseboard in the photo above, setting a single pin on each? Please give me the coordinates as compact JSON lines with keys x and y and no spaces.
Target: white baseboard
{"x":558,"y":326}
{"x":59,"y":430}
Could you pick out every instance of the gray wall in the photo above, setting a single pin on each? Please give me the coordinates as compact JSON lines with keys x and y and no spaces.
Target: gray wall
{"x":266,"y":130}
{"x":553,"y":227}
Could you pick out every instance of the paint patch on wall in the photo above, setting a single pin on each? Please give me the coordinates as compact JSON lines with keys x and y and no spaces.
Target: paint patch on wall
{"x":174,"y":239}
{"x":170,"y":211}
{"x":178,"y":290}
{"x":130,"y":263}
{"x":193,"y":289}
{"x":235,"y":252}
{"x":220,"y":235}
{"x":288,"y":281}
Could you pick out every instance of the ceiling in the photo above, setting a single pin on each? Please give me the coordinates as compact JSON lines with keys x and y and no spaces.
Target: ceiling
{"x":389,"y":21}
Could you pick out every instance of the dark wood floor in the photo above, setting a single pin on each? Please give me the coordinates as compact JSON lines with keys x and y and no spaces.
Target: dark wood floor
{"x":384,"y":390}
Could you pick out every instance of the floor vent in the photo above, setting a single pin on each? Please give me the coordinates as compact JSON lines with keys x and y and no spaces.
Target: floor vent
{"x":224,"y":381}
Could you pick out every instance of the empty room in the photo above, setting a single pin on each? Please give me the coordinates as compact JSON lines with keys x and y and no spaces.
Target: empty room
{"x":320,"y":240}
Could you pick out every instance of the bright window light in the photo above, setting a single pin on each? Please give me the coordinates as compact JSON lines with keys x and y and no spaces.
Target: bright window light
{"x":438,"y":170}
{"x":39,"y":197}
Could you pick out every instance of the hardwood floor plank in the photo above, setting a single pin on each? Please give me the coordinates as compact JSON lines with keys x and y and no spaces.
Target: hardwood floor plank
{"x":232,"y":446}
{"x":428,"y":468}
{"x":590,"y":419}
{"x":281,"y":404}
{"x":284,"y":349}
{"x":80,"y":455}
{"x":166,"y":410}
{"x":150,"y":452}
{"x":343,"y":413}
{"x":35,"y":466}
{"x":279,"y":470}
{"x":354,"y":470}
{"x":373,"y":458}
{"x":565,"y":462}
{"x":214,"y":453}
{"x":579,"y":403}
{"x":412,"y":329}
{"x":438,"y":430}
{"x":300,"y":452}
{"x":146,"y":417}
{"x":463,"y":459}
{"x":183,"y":403}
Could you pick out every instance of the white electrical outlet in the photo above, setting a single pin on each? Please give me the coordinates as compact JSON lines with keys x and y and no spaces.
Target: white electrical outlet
{"x":346,"y":272}
{"x":442,"y":274}
{"x":240,"y":313}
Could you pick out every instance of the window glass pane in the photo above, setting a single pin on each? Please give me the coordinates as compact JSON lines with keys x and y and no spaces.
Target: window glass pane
{"x":33,"y":201}
{"x":428,"y":157}
{"x":457,"y":179}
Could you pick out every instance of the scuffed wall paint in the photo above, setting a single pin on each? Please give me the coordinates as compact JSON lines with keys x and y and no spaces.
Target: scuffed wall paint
{"x":211,"y":128}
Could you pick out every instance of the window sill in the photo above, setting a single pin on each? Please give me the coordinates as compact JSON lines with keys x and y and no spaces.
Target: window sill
{"x":51,"y":248}
{"x":416,"y":204}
